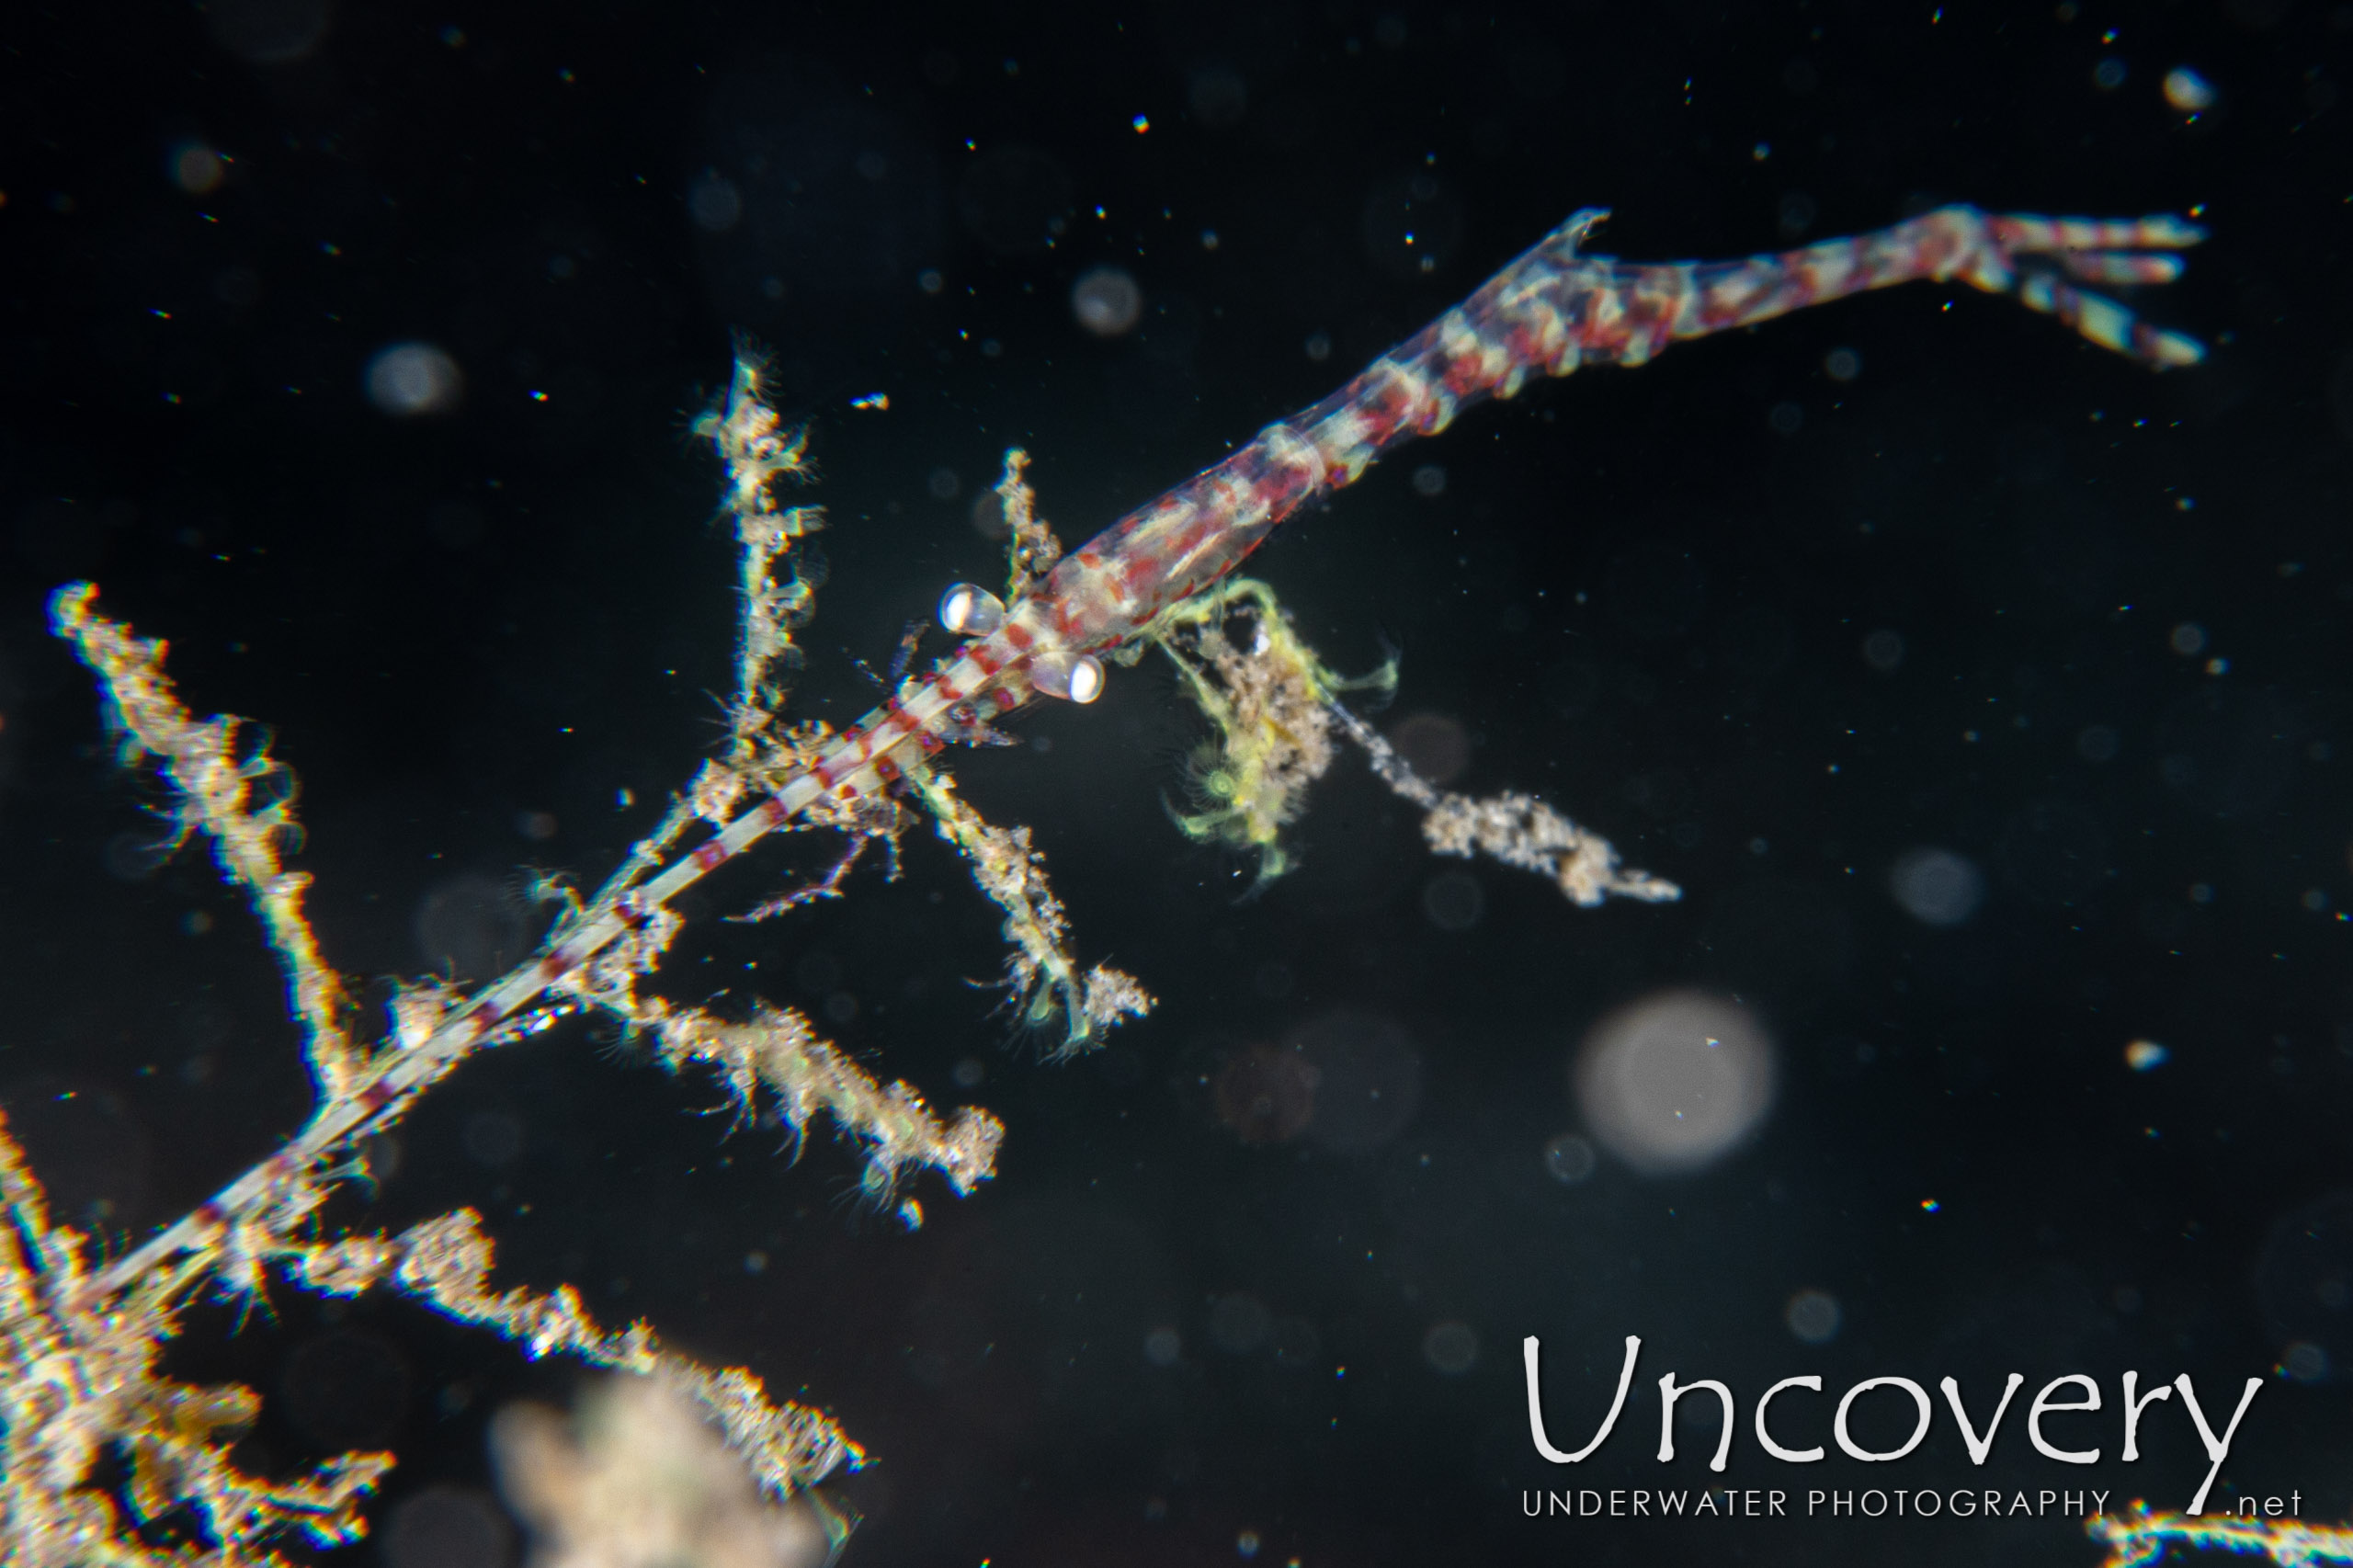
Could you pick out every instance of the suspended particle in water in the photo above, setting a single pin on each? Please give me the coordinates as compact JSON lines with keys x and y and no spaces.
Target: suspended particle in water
{"x":345,"y":1389}
{"x":714,"y":202}
{"x":268,"y":32}
{"x":1450,"y":1347}
{"x":1163,"y":1345}
{"x":2187,"y":91}
{"x":1016,"y":199}
{"x":1429,"y":480}
{"x":2304,"y":1282}
{"x":1218,"y":96}
{"x":817,"y":971}
{"x":1296,"y":1342}
{"x":1368,"y":1082}
{"x":943,"y":484}
{"x":1813,"y":1316}
{"x":1842,"y":364}
{"x":196,"y":168}
{"x":471,"y":927}
{"x":237,"y":287}
{"x":1435,"y":745}
{"x":1319,"y":347}
{"x":1937,"y":887}
{"x":2188,"y":638}
{"x":2108,"y":74}
{"x":1412,"y":225}
{"x":1453,"y":902}
{"x":447,"y":1526}
{"x":1106,"y":301}
{"x":1265,"y":1094}
{"x":2144,"y":1054}
{"x":2097,"y":743}
{"x":93,"y":1156}
{"x":1240,"y":1323}
{"x":2304,"y":1362}
{"x":408,"y":380}
{"x":1569,"y":1159}
{"x":987,"y":514}
{"x":493,"y":1138}
{"x":1883,"y":651}
{"x":1674,"y":1082}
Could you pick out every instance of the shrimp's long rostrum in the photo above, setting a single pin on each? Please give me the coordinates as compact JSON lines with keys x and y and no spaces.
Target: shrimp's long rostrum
{"x":1550,"y":312}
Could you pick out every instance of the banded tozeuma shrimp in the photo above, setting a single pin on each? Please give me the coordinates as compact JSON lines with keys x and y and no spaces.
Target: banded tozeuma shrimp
{"x":1146,"y":579}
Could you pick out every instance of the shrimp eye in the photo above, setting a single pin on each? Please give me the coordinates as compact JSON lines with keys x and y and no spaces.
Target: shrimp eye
{"x":1074,"y":677}
{"x":970,"y":610}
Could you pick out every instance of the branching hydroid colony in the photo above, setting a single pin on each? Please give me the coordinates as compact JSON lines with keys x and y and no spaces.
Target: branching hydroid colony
{"x":79,"y":1382}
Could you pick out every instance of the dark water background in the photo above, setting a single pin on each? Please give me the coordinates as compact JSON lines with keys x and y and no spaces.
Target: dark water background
{"x":1996,"y":594}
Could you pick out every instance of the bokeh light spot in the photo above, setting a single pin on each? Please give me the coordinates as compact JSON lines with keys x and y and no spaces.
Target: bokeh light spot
{"x":1106,"y":302}
{"x":1935,"y":887}
{"x":2187,"y":91}
{"x":714,"y":202}
{"x":447,"y":1526}
{"x":1218,"y":96}
{"x":1265,"y":1094}
{"x":1450,"y":1347}
{"x":1240,"y":1323}
{"x":470,"y":928}
{"x":1368,"y":1083}
{"x":1453,"y":902}
{"x":1569,"y":1159}
{"x":411,"y":379}
{"x":268,"y":32}
{"x":1434,"y":744}
{"x":1675,"y":1081}
{"x":196,"y":168}
{"x":2097,"y":743}
{"x":1813,"y":1316}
